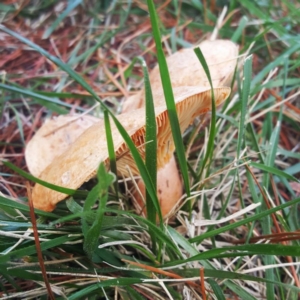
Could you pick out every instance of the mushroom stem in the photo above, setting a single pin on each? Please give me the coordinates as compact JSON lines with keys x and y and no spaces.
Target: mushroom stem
{"x":169,"y":189}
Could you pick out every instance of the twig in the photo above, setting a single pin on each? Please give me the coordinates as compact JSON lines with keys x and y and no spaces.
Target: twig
{"x":37,"y":243}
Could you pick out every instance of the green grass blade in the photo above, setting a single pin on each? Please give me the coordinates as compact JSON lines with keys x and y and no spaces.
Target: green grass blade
{"x":92,"y":289}
{"x":103,"y":38}
{"x":9,"y":203}
{"x":238,"y":290}
{"x":91,"y":234}
{"x":212,"y":127}
{"x":71,"y":5}
{"x":169,"y":96}
{"x":48,"y":102}
{"x":238,"y":32}
{"x":275,"y":63}
{"x":220,"y":274}
{"x":19,"y":122}
{"x":29,"y":250}
{"x":151,"y":145}
{"x":270,"y":162}
{"x":274,"y":171}
{"x":42,"y":182}
{"x":140,"y":164}
{"x":258,"y":216}
{"x":254,"y":142}
{"x":111,"y":150}
{"x":133,"y":294}
{"x":217,"y":290}
{"x":160,"y":233}
{"x":239,"y":251}
{"x":245,"y":96}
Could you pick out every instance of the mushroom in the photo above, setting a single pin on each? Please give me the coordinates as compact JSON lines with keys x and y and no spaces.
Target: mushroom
{"x":55,"y":136}
{"x":185,"y":70}
{"x":80,"y":161}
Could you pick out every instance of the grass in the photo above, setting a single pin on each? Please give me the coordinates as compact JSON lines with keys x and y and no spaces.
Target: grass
{"x":239,"y":238}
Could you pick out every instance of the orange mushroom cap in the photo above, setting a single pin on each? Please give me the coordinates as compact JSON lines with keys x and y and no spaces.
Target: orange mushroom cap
{"x":185,"y":70}
{"x":53,"y":138}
